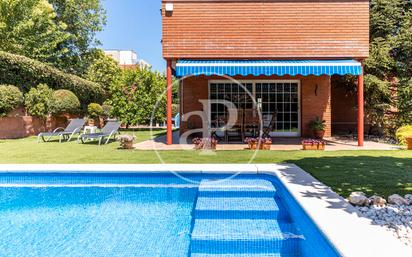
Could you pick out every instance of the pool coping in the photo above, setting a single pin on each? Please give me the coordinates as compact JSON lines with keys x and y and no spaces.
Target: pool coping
{"x":351,"y":234}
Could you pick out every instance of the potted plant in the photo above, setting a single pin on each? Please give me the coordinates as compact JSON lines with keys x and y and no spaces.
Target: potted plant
{"x":313,"y":144}
{"x":404,"y":136}
{"x":266,"y":143}
{"x":318,"y":127}
{"x":252,"y":143}
{"x":127,"y":141}
{"x":205,"y":143}
{"x":95,"y":111}
{"x":262,"y":143}
{"x":409,"y":142}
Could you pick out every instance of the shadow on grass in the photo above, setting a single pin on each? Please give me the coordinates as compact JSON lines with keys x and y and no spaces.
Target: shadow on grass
{"x":380,"y":175}
{"x":96,"y":142}
{"x":373,"y":175}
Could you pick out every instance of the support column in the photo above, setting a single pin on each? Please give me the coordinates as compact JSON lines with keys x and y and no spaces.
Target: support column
{"x":169,"y":136}
{"x":361,"y":113}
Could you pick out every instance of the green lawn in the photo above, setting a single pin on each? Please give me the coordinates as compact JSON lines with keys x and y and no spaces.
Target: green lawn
{"x":381,"y":172}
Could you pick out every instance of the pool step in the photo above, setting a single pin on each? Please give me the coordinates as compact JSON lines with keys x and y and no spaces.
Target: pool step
{"x":236,"y":188}
{"x":243,"y":255}
{"x":230,"y":236}
{"x":236,"y":208}
{"x":241,"y":218}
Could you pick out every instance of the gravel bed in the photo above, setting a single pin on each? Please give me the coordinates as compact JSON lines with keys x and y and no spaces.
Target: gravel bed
{"x":395,"y":218}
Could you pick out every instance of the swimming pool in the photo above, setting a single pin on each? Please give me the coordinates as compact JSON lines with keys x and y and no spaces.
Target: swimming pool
{"x":125,"y":214}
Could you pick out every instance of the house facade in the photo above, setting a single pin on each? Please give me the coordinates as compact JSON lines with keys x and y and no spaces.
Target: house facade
{"x":274,"y":56}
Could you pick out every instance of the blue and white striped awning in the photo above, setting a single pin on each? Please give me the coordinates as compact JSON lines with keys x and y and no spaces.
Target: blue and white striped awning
{"x":267,"y":67}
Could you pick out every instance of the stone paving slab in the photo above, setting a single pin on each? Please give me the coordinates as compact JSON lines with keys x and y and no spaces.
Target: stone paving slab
{"x":283,"y":144}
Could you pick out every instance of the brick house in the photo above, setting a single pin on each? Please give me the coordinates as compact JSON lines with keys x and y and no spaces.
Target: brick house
{"x":277,"y":56}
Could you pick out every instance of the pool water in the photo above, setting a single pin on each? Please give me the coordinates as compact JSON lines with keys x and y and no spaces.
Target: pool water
{"x":152,"y":215}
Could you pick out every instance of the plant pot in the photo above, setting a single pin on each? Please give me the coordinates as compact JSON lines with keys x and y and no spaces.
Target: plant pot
{"x":127,"y":145}
{"x":205,"y":146}
{"x":126,"y":141}
{"x":409,"y":143}
{"x":313,"y":147}
{"x":91,"y":122}
{"x":198,"y":146}
{"x":266,"y":146}
{"x":319,"y":134}
{"x":262,"y":146}
{"x":252,"y":146}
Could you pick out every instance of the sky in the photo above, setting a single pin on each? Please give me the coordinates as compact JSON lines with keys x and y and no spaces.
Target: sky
{"x":134,"y":25}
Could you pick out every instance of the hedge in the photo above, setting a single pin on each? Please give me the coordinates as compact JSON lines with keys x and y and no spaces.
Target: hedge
{"x":64,"y":102}
{"x":95,"y":110}
{"x":20,"y":70}
{"x":10,"y":98}
{"x":37,"y":100}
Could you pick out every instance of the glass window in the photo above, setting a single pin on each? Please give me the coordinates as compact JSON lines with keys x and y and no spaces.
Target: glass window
{"x":282,"y":98}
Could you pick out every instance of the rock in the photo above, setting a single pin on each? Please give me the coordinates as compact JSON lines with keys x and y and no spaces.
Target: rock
{"x":126,"y":141}
{"x":408,"y":199}
{"x":396,"y":199}
{"x":358,"y":199}
{"x":127,"y":138}
{"x":377,"y":201}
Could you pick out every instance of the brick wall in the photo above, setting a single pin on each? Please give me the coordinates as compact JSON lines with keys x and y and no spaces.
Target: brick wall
{"x":194,"y":88}
{"x":316,"y":102}
{"x":236,"y":29}
{"x":315,"y":99}
{"x":344,"y":110}
{"x":20,"y":126}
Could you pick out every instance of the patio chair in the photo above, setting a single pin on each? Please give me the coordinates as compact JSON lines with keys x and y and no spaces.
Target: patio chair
{"x":109,"y":130}
{"x":74,"y":127}
{"x":237,"y":130}
{"x":271,"y":126}
{"x":218,"y":129}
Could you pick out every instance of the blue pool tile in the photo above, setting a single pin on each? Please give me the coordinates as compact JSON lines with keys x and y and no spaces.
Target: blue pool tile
{"x":243,"y":255}
{"x":236,"y":207}
{"x":237,"y":188}
{"x":243,"y":236}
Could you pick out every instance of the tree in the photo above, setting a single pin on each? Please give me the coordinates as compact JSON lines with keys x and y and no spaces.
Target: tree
{"x":10,"y":98}
{"x":83,"y":19}
{"x":136,"y":95}
{"x":388,"y":70}
{"x":389,"y":66}
{"x":37,"y":100}
{"x":102,"y":69}
{"x":28,"y":27}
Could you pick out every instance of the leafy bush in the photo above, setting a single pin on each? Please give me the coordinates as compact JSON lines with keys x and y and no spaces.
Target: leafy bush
{"x":175,"y":109}
{"x":137,"y":96}
{"x":317,"y":124}
{"x":403,"y":132}
{"x":103,"y":69}
{"x":106,"y":110}
{"x":64,"y":101}
{"x":20,"y":70}
{"x":37,"y":100}
{"x":95,"y":110}
{"x":10,"y":98}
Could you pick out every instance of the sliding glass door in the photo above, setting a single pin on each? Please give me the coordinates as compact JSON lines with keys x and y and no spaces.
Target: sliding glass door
{"x":280,"y":98}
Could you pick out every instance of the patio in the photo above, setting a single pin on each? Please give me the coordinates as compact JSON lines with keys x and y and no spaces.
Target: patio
{"x":287,"y":144}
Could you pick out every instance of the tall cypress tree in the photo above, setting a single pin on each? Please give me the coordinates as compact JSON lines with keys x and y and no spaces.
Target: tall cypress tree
{"x":388,"y":79}
{"x":389,"y":67}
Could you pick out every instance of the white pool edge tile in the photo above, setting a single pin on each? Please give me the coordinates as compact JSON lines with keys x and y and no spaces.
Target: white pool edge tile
{"x":339,"y":221}
{"x":351,"y":235}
